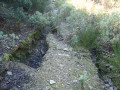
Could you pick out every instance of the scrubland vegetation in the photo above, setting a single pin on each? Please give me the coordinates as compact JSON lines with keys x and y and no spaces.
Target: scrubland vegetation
{"x":21,"y":22}
{"x":94,"y":25}
{"x":16,"y":16}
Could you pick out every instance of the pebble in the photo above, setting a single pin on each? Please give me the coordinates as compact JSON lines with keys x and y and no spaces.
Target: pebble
{"x":111,"y":88}
{"x":47,"y":88}
{"x":52,"y":82}
{"x":9,"y":73}
{"x":68,"y":83}
{"x":107,"y":85}
{"x":74,"y":81}
{"x":66,"y":49}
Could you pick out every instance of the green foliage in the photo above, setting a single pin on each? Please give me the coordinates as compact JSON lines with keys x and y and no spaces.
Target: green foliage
{"x":65,"y":11}
{"x":85,"y":32}
{"x":9,"y":13}
{"x":39,"y":5}
{"x":24,"y":42}
{"x":86,"y":38}
{"x":58,"y":3}
{"x":19,"y":14}
{"x":83,"y":78}
{"x":32,"y":34}
{"x":8,"y":40}
{"x":115,"y":61}
{"x":110,"y":26}
{"x":79,"y":19}
{"x":38,"y":19}
{"x":26,"y":4}
{"x":18,"y":9}
{"x":6,"y":57}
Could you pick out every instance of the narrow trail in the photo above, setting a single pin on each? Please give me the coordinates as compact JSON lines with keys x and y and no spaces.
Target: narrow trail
{"x":61,"y":69}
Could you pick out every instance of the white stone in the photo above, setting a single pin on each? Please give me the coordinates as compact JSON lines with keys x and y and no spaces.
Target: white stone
{"x":68,"y":83}
{"x":66,"y":49}
{"x":9,"y":73}
{"x":52,"y":82}
{"x":47,"y":88}
{"x":74,"y":81}
{"x":111,"y":88}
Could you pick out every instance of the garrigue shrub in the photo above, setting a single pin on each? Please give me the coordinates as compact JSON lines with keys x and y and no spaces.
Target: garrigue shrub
{"x":85,"y":32}
{"x":39,"y":5}
{"x":86,"y":38}
{"x":110,"y":27}
{"x":115,"y":60}
{"x":65,"y":11}
{"x":10,"y":13}
{"x":26,"y":4}
{"x":38,"y":19}
{"x":8,"y":40}
{"x":36,"y":5}
{"x":58,"y":3}
{"x":78,"y":18}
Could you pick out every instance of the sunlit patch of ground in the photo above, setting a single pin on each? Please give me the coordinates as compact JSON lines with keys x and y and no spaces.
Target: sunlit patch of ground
{"x":87,"y":5}
{"x":92,"y":7}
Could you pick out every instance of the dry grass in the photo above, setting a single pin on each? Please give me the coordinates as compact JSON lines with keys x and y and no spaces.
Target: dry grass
{"x":83,"y":4}
{"x":92,"y":6}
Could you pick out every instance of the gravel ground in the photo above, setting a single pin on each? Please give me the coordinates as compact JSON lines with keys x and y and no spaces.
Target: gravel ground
{"x":62,"y":70}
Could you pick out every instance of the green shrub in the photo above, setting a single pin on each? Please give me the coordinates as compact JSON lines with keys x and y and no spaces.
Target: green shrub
{"x":20,"y":15}
{"x":36,"y":5}
{"x":110,"y":25}
{"x":38,"y":19}
{"x":6,"y":57}
{"x":26,"y":4}
{"x":9,"y":13}
{"x":79,"y":19}
{"x":86,"y":38}
{"x":85,"y":31}
{"x":8,"y":41}
{"x":39,"y":5}
{"x":65,"y":11}
{"x":115,"y":61}
{"x":58,"y":3}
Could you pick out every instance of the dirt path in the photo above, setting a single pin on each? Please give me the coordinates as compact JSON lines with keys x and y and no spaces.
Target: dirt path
{"x":61,"y":69}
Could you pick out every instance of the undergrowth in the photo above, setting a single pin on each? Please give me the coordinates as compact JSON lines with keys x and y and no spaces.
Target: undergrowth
{"x":115,"y":61}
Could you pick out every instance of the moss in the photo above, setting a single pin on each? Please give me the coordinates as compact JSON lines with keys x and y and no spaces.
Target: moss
{"x":7,"y":56}
{"x":116,"y":81}
{"x":24,"y":49}
{"x":23,"y":41}
{"x":32,"y":34}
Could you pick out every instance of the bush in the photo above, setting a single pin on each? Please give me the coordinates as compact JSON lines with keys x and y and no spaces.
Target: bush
{"x":39,"y":5}
{"x":86,"y":38}
{"x":85,"y":32}
{"x":8,"y":13}
{"x":19,"y":14}
{"x":58,"y":3}
{"x":26,"y":4}
{"x":8,"y":41}
{"x":65,"y":11}
{"x":38,"y":19}
{"x":110,"y":26}
{"x":115,"y":61}
{"x":79,"y":19}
